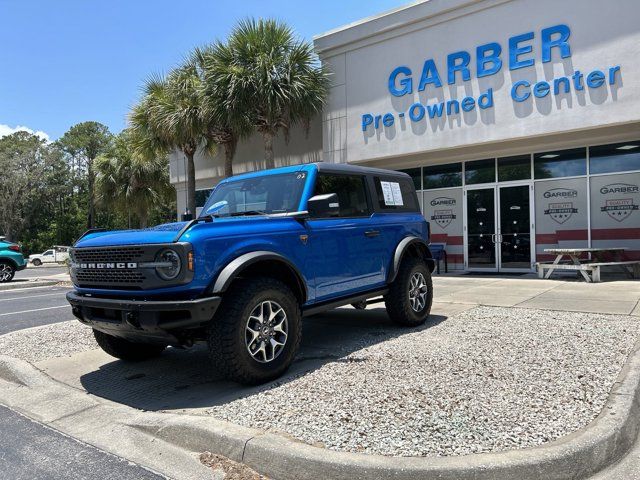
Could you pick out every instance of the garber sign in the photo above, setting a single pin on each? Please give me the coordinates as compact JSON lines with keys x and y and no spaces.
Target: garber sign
{"x":488,"y":61}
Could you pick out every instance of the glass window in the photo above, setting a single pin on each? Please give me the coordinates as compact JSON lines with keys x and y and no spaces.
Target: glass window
{"x":480,"y":171}
{"x":202,"y":196}
{"x":619,"y":157}
{"x":416,"y":175}
{"x":408,"y":201}
{"x":514,"y":168}
{"x":278,"y":193}
{"x":351,"y":191}
{"x":562,"y":163}
{"x":442,"y":176}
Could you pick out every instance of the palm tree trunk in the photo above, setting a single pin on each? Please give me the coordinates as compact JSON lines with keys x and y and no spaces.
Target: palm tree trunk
{"x":229,"y":152}
{"x":191,"y":184}
{"x":268,"y":150}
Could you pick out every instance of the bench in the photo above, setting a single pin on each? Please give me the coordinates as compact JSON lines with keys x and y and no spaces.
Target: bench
{"x":438,"y":252}
{"x":630,"y":267}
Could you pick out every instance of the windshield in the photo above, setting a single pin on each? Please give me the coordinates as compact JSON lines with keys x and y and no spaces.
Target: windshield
{"x":265,"y":194}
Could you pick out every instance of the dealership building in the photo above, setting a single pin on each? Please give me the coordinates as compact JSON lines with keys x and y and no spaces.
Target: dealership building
{"x":519,"y":121}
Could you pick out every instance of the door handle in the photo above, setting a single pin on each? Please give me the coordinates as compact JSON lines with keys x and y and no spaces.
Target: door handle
{"x":493,"y":238}
{"x":372,"y":233}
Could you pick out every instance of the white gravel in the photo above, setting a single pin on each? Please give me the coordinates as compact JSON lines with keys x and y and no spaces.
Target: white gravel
{"x":489,"y":379}
{"x":57,"y":340}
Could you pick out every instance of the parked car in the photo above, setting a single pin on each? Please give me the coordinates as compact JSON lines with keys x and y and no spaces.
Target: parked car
{"x":268,"y":249}
{"x":11,"y":260}
{"x":57,"y":254}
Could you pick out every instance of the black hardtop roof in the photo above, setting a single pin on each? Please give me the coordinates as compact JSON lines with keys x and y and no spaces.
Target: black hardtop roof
{"x":347,"y":168}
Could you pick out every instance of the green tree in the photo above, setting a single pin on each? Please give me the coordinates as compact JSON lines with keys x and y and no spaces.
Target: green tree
{"x":169,"y":116}
{"x":274,"y":78}
{"x":83,"y":143}
{"x":127,"y":182}
{"x":38,"y":208}
{"x":226,"y":123}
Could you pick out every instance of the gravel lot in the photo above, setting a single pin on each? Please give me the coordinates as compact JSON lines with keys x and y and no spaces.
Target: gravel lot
{"x":58,"y":340}
{"x":489,"y":379}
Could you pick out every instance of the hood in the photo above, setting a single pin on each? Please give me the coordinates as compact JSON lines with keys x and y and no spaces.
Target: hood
{"x":165,"y":233}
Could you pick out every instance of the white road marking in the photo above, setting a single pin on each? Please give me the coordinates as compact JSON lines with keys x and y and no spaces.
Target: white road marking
{"x":2,"y":299}
{"x":34,"y":310}
{"x":13,"y":290}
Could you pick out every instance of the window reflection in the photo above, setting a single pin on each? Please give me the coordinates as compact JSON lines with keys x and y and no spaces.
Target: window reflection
{"x":561,"y":163}
{"x":514,"y":168}
{"x":619,"y":157}
{"x":442,"y":176}
{"x":480,"y":171}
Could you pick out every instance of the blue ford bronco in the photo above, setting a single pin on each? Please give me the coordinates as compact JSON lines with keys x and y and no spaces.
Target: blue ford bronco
{"x":268,"y":249}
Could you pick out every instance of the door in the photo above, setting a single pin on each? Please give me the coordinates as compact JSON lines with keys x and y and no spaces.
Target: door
{"x":481,"y":229}
{"x":498,"y":228}
{"x":348,"y":249}
{"x":48,"y":257}
{"x":514,"y":232}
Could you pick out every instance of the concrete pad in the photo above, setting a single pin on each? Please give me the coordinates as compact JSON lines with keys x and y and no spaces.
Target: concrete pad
{"x":593,"y":305}
{"x":636,"y":311}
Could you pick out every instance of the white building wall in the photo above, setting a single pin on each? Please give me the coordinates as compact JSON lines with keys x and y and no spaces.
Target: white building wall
{"x":603,"y":34}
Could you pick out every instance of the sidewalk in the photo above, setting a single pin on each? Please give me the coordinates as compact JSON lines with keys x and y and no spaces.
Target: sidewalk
{"x":571,"y":295}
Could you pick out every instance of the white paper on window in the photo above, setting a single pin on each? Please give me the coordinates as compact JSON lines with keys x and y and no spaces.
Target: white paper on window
{"x":392,"y":194}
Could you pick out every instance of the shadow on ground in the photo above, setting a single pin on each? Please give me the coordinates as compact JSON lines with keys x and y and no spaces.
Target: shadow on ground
{"x":184,"y":379}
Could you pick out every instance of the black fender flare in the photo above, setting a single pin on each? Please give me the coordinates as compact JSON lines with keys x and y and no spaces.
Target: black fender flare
{"x":231,"y":271}
{"x":402,"y":249}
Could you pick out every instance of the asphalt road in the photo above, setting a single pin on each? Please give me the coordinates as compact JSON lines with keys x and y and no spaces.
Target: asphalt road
{"x":31,"y":307}
{"x":38,"y":272}
{"x":30,"y":451}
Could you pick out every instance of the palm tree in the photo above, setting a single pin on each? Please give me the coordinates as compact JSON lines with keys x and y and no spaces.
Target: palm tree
{"x":226,"y":122}
{"x":272,"y":77}
{"x":125,"y":180}
{"x":170,"y":116}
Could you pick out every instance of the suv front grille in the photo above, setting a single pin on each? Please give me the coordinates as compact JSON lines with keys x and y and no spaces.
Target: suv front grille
{"x":123,"y":267}
{"x":110,"y":277}
{"x":120,"y":254}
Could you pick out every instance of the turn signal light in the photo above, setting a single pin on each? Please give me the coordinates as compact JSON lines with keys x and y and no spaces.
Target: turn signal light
{"x":190,"y":261}
{"x":15,"y":248}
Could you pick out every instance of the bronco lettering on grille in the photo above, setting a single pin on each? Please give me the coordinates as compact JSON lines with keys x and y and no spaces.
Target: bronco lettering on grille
{"x":105,"y":266}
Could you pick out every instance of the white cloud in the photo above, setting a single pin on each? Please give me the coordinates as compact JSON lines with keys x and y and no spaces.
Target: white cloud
{"x":7,"y":130}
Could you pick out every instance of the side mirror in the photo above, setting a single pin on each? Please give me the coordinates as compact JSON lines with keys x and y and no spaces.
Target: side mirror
{"x":322,"y":206}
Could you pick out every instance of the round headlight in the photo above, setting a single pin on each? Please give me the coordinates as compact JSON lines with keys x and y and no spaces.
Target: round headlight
{"x":171,"y":264}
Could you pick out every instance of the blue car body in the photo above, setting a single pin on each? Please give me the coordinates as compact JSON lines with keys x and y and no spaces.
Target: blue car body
{"x":330,"y":261}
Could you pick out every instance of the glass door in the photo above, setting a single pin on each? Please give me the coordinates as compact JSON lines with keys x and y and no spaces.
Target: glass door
{"x":481,"y":229}
{"x":514,"y":228}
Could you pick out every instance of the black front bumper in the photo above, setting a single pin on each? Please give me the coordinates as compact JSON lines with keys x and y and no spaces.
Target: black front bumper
{"x":144,"y":320}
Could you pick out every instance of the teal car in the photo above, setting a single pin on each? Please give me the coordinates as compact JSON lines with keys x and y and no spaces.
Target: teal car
{"x":11,"y":260}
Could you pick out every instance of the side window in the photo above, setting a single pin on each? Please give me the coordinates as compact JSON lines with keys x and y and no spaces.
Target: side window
{"x":351,"y":191}
{"x":48,"y":252}
{"x":395,"y":194}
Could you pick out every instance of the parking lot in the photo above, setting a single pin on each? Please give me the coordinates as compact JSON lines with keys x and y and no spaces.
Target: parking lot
{"x":32,"y":307}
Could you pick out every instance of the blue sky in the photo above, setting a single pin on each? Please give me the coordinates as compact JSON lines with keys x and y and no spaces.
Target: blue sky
{"x":67,"y":61}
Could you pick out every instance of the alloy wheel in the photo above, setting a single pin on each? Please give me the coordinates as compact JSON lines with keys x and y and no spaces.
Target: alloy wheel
{"x":6,"y":272}
{"x":266,"y":331}
{"x":418,"y":292}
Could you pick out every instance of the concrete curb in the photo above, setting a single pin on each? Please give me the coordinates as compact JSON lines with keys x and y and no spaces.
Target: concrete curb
{"x":28,"y":284}
{"x":579,"y":455}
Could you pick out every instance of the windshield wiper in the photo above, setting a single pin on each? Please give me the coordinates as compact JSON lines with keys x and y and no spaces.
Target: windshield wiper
{"x":248,"y":212}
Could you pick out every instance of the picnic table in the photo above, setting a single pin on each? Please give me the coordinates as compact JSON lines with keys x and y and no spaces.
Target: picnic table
{"x":584,"y":267}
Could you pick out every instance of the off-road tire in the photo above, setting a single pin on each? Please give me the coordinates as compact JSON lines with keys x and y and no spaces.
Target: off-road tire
{"x":36,"y":263}
{"x":226,"y":335}
{"x":7,"y":268}
{"x":397,"y":300}
{"x":126,"y":350}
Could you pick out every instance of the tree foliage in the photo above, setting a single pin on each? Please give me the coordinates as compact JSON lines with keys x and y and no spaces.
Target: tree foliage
{"x":131,"y":184}
{"x":83,"y":143}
